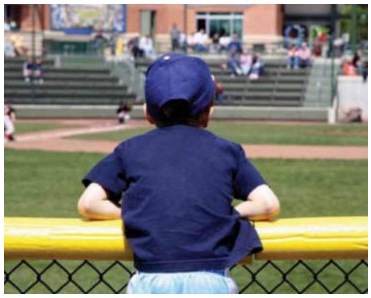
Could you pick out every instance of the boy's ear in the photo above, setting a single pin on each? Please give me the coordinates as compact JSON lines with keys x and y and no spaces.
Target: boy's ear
{"x":205,"y":116}
{"x":211,"y":111}
{"x":147,"y":115}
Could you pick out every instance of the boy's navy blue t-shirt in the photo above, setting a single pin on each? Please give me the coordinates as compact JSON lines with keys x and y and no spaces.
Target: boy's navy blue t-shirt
{"x":178,"y":184}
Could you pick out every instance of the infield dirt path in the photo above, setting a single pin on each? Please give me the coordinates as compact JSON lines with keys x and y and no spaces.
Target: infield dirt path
{"x":54,"y":140}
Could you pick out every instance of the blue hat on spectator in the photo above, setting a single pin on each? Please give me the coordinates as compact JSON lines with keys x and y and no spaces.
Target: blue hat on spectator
{"x":178,"y":76}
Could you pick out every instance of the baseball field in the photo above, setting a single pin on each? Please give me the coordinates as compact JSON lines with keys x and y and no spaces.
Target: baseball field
{"x":316,"y":170}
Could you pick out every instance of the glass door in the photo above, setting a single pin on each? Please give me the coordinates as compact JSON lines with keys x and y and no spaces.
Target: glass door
{"x":219,"y":26}
{"x":237,"y":27}
{"x":221,"y":23}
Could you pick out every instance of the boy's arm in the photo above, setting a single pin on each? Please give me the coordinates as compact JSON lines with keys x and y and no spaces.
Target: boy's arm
{"x":261,"y":204}
{"x":93,"y":204}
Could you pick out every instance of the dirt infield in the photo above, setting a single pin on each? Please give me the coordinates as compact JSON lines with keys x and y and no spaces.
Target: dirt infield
{"x":55,"y":140}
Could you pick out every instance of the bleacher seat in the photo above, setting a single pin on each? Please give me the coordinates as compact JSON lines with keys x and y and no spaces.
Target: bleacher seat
{"x":79,"y":84}
{"x":277,"y":87}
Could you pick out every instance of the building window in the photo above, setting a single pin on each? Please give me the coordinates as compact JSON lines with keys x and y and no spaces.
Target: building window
{"x":220,"y":22}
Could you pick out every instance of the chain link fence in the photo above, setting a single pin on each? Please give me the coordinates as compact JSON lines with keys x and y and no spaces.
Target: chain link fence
{"x":104,"y":277}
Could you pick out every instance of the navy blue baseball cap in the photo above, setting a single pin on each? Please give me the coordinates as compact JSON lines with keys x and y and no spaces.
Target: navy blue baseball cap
{"x":178,"y":77}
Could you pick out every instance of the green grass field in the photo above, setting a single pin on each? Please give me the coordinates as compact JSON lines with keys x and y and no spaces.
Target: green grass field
{"x":43,"y":184}
{"x":39,"y":183}
{"x":253,"y":133}
{"x":22,"y":127}
{"x":47,"y":184}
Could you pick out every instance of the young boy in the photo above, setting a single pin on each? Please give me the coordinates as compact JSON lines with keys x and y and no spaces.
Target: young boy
{"x":178,"y":182}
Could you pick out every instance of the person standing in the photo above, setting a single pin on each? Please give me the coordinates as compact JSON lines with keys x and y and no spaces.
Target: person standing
{"x":9,"y":121}
{"x":175,"y":37}
{"x":123,"y":112}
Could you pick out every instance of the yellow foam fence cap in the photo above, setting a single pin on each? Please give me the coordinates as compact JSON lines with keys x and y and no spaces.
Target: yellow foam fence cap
{"x":284,"y":239}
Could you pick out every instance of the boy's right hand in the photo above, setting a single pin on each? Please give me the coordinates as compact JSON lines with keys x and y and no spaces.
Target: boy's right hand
{"x":94,"y":204}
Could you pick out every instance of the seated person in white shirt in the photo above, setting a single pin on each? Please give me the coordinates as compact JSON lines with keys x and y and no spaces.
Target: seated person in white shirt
{"x":146,"y":44}
{"x":200,"y":40}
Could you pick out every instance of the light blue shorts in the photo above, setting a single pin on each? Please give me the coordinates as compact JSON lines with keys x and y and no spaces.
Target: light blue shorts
{"x":200,"y":282}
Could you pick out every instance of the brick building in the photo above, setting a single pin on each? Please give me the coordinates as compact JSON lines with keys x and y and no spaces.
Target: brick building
{"x":257,"y":23}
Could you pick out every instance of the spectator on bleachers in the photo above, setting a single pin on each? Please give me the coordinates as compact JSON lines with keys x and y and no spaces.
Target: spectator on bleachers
{"x":99,"y":41}
{"x":112,"y":42}
{"x":28,"y":70}
{"x":348,"y":68}
{"x":38,"y":71}
{"x":224,"y":40}
{"x":13,"y":25}
{"x":9,"y":50}
{"x":219,"y":91}
{"x":365,"y":70}
{"x":133,"y":46}
{"x":304,"y":56}
{"x":233,"y":62}
{"x":257,"y":67}
{"x":18,"y":44}
{"x":320,"y":44}
{"x":293,"y":57}
{"x":359,"y":65}
{"x":245,"y":62}
{"x":356,"y":58}
{"x":235,"y":44}
{"x":119,"y":49}
{"x":357,"y":61}
{"x":33,"y":71}
{"x":215,"y":46}
{"x":190,"y":40}
{"x":6,"y":25}
{"x":146,"y":45}
{"x":339,"y":46}
{"x":200,"y":41}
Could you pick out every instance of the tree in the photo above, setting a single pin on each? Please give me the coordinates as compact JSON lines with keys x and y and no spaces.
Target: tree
{"x":361,"y":25}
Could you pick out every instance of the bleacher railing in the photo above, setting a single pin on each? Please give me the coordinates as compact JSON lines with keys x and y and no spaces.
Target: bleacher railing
{"x":307,"y":255}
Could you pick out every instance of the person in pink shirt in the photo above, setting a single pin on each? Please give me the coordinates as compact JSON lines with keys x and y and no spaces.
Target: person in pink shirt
{"x":304,"y":55}
{"x":293,"y":57}
{"x":245,"y":62}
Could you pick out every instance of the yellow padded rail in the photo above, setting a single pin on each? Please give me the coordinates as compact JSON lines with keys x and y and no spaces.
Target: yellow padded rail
{"x":284,"y":239}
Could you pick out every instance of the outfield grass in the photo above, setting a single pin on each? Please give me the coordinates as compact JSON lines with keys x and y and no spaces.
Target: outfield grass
{"x":39,"y":183}
{"x":253,"y":133}
{"x":22,"y":127}
{"x":47,"y":184}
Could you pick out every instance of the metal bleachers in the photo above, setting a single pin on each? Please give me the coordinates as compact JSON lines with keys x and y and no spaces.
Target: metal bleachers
{"x":277,"y":87}
{"x":73,"y":85}
{"x":93,"y":87}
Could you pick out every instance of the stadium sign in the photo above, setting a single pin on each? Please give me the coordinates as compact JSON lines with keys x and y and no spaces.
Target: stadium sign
{"x":85,"y":18}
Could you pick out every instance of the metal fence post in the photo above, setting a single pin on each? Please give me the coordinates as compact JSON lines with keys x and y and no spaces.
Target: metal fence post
{"x":33,"y":47}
